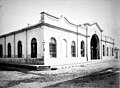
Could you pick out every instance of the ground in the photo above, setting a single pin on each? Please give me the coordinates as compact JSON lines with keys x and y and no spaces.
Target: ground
{"x":104,"y":80}
{"x":66,"y":77}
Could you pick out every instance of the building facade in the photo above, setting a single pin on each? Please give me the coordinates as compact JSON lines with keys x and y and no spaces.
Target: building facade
{"x":56,"y":41}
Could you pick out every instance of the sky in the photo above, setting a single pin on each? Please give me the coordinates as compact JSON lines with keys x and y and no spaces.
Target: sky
{"x":16,"y":14}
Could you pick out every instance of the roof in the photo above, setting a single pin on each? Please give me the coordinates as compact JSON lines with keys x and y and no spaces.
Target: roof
{"x":21,"y":30}
{"x":42,"y":23}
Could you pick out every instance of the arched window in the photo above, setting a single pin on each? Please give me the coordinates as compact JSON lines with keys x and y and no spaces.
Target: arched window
{"x":73,"y":49}
{"x":103,"y":50}
{"x":112,"y":52}
{"x":53,"y":47}
{"x":82,"y":49}
{"x":1,"y":50}
{"x":19,"y":49}
{"x":34,"y":48}
{"x":107,"y":51}
{"x":9,"y":50}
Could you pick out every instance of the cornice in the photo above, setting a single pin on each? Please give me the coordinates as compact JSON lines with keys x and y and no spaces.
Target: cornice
{"x":63,"y":29}
{"x":108,"y":42}
{"x":88,"y":24}
{"x":49,"y":15}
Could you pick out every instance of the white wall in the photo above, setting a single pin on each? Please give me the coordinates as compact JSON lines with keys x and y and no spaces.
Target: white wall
{"x":10,"y":39}
{"x":59,"y":35}
{"x":108,"y":42}
{"x":20,"y":37}
{"x":38,"y":34}
{"x":2,"y":42}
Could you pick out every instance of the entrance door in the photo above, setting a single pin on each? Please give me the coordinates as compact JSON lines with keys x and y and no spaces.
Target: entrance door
{"x":34,"y":48}
{"x":9,"y":50}
{"x":95,"y":47}
{"x":19,"y":49}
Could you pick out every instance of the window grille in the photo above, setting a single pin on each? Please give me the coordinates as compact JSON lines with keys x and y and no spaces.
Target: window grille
{"x":52,"y":47}
{"x":73,"y":49}
{"x":82,"y":49}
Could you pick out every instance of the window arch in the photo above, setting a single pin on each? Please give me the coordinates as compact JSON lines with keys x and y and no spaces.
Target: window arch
{"x":103,"y":50}
{"x":73,"y":49}
{"x":19,"y":49}
{"x":1,"y":50}
{"x":82,"y":48}
{"x":33,"y":48}
{"x":9,"y":50}
{"x":53,"y":47}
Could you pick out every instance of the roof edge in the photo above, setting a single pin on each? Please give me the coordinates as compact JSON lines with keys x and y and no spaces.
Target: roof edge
{"x":88,"y":24}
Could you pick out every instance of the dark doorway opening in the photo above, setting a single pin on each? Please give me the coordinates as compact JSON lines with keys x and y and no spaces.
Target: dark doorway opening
{"x":95,"y":47}
{"x":19,"y":49}
{"x":34,"y":48}
{"x":1,"y":51}
{"x":9,"y":50}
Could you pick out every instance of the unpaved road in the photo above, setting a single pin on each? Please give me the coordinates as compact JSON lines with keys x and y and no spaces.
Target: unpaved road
{"x":97,"y":80}
{"x":40,"y":79}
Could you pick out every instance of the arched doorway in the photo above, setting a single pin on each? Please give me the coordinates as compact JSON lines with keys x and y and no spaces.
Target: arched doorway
{"x":95,"y":47}
{"x":34,"y":48}
{"x":19,"y":49}
{"x":9,"y":50}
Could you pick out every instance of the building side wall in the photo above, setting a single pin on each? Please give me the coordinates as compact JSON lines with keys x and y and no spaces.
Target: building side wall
{"x":2,"y":42}
{"x":25,"y":37}
{"x":38,"y":34}
{"x":20,"y":37}
{"x":59,"y":35}
{"x":108,"y":42}
{"x":80,"y":39}
{"x":10,"y":39}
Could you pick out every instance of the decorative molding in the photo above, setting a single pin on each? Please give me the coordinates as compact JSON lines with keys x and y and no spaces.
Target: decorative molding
{"x":108,"y":42}
{"x":70,"y":22}
{"x":63,"y":29}
{"x":49,"y":15}
{"x":88,"y":24}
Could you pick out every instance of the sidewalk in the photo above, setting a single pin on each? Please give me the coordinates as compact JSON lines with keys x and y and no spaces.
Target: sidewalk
{"x":84,"y":66}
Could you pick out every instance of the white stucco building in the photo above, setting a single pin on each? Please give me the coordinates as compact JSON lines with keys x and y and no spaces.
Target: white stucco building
{"x":56,"y":42}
